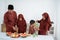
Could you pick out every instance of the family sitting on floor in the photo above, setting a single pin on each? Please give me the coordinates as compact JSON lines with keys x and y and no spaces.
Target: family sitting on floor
{"x":13,"y":23}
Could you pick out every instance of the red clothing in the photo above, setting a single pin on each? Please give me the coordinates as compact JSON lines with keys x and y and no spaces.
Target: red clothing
{"x":44,"y":25}
{"x":31,"y":30}
{"x":21,"y":24}
{"x":10,"y":19}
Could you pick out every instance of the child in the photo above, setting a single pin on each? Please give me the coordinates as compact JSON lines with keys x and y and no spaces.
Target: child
{"x":21,"y":24}
{"x":32,"y":28}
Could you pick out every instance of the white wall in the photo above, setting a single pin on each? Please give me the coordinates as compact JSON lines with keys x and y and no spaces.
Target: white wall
{"x":31,"y":9}
{"x":58,"y":20}
{"x":2,"y":11}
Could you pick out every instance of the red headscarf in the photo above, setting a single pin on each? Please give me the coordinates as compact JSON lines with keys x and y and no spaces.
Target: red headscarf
{"x":20,"y":16}
{"x":47,"y":19}
{"x":21,"y":24}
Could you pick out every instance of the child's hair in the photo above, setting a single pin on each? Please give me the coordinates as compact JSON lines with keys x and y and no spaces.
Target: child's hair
{"x":10,"y":7}
{"x":32,"y":22}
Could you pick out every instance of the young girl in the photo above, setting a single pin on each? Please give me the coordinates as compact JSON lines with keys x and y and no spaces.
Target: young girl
{"x":45,"y":24}
{"x":21,"y":24}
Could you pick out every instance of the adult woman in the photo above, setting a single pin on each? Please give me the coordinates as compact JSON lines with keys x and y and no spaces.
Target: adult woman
{"x":45,"y":24}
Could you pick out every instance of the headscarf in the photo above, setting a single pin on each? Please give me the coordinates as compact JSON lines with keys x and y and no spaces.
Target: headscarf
{"x":47,"y":19}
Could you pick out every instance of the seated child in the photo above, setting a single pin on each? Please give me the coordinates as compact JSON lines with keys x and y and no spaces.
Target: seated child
{"x":32,"y":27}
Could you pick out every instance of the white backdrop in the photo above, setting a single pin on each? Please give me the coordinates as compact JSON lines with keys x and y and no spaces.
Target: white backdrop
{"x":2,"y":11}
{"x":31,"y":9}
{"x":58,"y":20}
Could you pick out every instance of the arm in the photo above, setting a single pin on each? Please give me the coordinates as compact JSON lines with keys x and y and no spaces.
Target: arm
{"x":46,"y":27}
{"x":49,"y":27}
{"x":38,"y":21}
{"x":29,"y":31}
{"x":15,"y":18}
{"x":15,"y":28}
{"x":25,"y":26}
{"x":5,"y":19}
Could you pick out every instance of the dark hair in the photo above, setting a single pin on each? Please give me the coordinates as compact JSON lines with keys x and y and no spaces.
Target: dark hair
{"x":32,"y":22}
{"x":10,"y":7}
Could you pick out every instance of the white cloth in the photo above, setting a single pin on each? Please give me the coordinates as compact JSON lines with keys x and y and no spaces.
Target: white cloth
{"x":39,"y":37}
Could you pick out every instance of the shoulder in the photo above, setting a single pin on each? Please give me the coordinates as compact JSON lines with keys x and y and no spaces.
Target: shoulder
{"x":6,"y":13}
{"x":14,"y":11}
{"x":41,"y":20}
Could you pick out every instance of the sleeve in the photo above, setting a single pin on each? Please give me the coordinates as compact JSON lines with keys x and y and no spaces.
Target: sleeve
{"x":39,"y":21}
{"x":29,"y":30}
{"x":46,"y":27}
{"x":25,"y":26}
{"x":49,"y":27}
{"x":5,"y":18}
{"x":15,"y":18}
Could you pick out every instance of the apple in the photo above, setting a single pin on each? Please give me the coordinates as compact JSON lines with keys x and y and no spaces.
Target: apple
{"x":9,"y":33}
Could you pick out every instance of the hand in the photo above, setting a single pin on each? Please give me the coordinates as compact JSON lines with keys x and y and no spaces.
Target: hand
{"x":36,"y":20}
{"x":15,"y":25}
{"x":13,"y":28}
{"x":16,"y":28}
{"x":47,"y":32}
{"x":36,"y":28}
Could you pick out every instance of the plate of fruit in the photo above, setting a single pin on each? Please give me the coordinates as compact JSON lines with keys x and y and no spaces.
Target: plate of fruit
{"x":24,"y":35}
{"x":13,"y":35}
{"x":8,"y":33}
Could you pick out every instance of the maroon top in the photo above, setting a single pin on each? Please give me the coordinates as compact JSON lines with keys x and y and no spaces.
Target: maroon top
{"x":44,"y":25}
{"x":10,"y":19}
{"x":21,"y":24}
{"x":31,"y":30}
